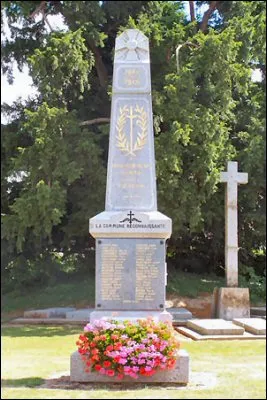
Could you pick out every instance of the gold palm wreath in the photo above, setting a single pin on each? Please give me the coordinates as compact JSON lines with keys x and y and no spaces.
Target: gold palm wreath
{"x":127,"y":144}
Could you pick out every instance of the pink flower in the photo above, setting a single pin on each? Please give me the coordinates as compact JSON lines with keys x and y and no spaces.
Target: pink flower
{"x":141,"y":361}
{"x":122,"y":361}
{"x":102,"y":371}
{"x":148,"y":369}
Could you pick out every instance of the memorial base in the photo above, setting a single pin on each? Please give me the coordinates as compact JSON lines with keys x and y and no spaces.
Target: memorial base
{"x":163,"y":316}
{"x":179,"y":375}
{"x":230,"y":303}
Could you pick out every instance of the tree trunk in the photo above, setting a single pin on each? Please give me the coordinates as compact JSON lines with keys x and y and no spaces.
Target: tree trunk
{"x":192,"y":11}
{"x":204,"y":23}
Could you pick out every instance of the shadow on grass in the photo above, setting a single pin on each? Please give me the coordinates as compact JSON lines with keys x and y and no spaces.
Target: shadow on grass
{"x":40,"y":331}
{"x":64,"y":383}
{"x":28,"y":382}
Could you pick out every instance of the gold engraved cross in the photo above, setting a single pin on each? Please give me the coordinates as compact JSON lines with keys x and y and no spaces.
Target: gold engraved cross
{"x":131,"y":117}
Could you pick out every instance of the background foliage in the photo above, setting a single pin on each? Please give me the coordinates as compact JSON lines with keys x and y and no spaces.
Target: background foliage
{"x":54,"y":147}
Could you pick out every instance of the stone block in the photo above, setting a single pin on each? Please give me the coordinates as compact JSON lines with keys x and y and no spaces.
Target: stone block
{"x":230,"y":303}
{"x":179,"y":315}
{"x":56,"y":312}
{"x":257,"y":326}
{"x":79,"y":315}
{"x":214,"y":327}
{"x":179,"y":375}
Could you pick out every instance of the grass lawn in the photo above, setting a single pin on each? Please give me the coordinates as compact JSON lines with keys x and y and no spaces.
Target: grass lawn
{"x":31,"y":354}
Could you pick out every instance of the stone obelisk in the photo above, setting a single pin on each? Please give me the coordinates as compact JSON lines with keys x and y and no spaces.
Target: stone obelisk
{"x":131,"y":234}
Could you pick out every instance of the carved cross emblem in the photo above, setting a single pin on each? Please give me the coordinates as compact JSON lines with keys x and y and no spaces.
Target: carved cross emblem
{"x":132,"y":45}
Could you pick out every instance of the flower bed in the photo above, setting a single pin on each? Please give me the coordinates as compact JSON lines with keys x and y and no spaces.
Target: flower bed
{"x":125,"y":348}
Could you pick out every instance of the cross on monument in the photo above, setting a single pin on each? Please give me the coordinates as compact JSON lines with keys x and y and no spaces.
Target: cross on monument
{"x":232,"y":178}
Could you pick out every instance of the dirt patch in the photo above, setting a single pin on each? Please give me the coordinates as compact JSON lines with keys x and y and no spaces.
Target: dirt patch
{"x":199,"y":307}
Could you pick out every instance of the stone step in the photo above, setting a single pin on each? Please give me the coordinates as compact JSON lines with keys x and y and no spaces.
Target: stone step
{"x":261,"y":311}
{"x":53,"y":312}
{"x":180,"y":315}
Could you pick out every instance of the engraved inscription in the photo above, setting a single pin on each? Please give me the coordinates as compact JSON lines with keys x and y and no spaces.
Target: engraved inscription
{"x":131,"y":77}
{"x":146,"y":271}
{"x":113,"y":259}
{"x":132,"y":274}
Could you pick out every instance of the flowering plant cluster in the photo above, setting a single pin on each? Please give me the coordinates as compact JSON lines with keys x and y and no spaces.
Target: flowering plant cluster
{"x":119,"y":349}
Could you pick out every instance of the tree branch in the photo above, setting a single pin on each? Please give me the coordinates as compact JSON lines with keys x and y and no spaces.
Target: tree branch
{"x":48,"y":23}
{"x":39,"y":9}
{"x":95,"y":121}
{"x":192,"y":11}
{"x":100,"y":66}
{"x":207,"y":15}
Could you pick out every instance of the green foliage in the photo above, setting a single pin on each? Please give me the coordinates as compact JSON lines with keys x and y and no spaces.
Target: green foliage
{"x":61,"y":66}
{"x":205,"y":114}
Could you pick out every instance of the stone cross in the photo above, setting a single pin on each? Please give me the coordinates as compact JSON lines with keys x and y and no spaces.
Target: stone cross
{"x":232,"y":177}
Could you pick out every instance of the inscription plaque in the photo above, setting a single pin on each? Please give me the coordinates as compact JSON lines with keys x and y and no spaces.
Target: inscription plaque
{"x":131,"y":274}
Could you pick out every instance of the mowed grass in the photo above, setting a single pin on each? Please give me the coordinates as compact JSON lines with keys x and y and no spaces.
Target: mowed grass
{"x":32,"y":354}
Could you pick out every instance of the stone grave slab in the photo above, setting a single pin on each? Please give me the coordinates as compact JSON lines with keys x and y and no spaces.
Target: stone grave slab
{"x":257,"y":326}
{"x":214,"y":327}
{"x":190,"y":333}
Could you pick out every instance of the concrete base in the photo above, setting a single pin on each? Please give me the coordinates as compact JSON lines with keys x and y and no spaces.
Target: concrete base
{"x":229,"y":303}
{"x":180,"y":374}
{"x":163,"y":316}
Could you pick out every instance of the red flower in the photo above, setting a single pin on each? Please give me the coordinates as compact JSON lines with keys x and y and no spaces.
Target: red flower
{"x":110,"y":372}
{"x":106,"y":364}
{"x":109,"y":347}
{"x":97,"y":367}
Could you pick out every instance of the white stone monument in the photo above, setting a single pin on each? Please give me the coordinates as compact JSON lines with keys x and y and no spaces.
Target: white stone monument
{"x":131,"y":234}
{"x":231,"y":302}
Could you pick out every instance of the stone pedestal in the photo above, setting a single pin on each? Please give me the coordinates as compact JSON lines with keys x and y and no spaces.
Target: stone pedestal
{"x":178,"y":375}
{"x":229,"y":303}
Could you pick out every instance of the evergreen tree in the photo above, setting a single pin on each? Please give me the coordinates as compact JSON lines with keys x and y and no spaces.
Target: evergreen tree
{"x":207,"y":110}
